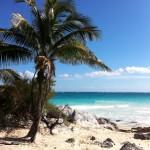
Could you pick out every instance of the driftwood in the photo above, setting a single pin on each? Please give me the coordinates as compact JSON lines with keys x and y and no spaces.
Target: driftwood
{"x":52,"y":126}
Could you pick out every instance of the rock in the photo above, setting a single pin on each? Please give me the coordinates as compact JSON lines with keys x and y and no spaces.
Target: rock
{"x":103,"y":120}
{"x":130,"y":146}
{"x":67,"y":110}
{"x":141,"y":129}
{"x":108,"y":143}
{"x":142,"y":136}
{"x":118,"y":120}
{"x":84,"y":118}
{"x":107,"y":124}
{"x":70,"y":140}
{"x":92,"y":138}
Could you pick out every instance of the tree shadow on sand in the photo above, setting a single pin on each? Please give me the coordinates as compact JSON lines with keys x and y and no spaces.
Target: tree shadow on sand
{"x":13,"y":140}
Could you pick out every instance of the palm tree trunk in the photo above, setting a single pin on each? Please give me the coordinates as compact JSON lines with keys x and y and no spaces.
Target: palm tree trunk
{"x":38,"y":108}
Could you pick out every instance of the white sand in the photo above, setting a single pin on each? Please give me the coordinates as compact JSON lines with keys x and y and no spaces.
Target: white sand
{"x":81,"y":134}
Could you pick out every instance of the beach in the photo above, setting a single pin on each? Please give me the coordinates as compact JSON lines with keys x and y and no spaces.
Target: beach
{"x":87,"y":132}
{"x":82,"y":136}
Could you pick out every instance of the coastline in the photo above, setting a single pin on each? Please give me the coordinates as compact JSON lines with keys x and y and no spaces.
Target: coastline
{"x":82,"y":131}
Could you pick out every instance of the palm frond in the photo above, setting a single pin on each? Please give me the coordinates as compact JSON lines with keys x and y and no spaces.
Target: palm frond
{"x":76,"y":53}
{"x":81,"y":34}
{"x":8,"y":76}
{"x":29,"y":2}
{"x":12,"y":54}
{"x":54,"y":8}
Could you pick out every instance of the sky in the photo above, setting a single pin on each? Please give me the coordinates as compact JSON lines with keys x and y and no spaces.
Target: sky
{"x":124,"y":46}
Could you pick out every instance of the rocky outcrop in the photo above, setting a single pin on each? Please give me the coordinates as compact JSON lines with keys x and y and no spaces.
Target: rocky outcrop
{"x":76,"y":116}
{"x":142,"y":136}
{"x":84,"y":118}
{"x":107,"y":124}
{"x":67,"y":110}
{"x":130,"y":146}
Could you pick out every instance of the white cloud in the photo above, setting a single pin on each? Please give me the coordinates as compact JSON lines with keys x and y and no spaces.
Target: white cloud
{"x":121,"y":73}
{"x":140,"y":70}
{"x":102,"y":74}
{"x":27,"y":74}
{"x":64,"y":75}
{"x":70,"y":76}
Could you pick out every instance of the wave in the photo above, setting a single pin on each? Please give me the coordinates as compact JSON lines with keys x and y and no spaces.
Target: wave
{"x":143,"y":111}
{"x":122,"y":106}
{"x":88,"y":107}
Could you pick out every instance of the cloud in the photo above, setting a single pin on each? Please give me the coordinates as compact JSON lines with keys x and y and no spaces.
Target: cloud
{"x":121,"y":73}
{"x":27,"y":74}
{"x":140,"y":70}
{"x":102,"y":74}
{"x":70,"y":76}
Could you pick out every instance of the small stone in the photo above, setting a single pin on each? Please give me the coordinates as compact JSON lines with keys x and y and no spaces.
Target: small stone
{"x":70,"y":140}
{"x":108,"y":143}
{"x":93,"y":138}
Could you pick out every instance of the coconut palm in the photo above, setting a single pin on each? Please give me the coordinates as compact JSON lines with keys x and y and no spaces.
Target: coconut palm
{"x":57,"y":32}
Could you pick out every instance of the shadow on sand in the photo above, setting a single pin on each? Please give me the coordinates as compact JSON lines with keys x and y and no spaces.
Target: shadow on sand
{"x":13,"y":140}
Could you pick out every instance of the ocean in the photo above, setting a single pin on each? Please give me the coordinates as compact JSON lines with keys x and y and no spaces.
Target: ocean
{"x":127,"y":108}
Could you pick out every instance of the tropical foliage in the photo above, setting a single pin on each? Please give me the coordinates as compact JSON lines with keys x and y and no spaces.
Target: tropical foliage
{"x":57,"y":32}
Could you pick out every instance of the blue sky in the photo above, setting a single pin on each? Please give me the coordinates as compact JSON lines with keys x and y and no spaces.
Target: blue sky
{"x":124,"y":47}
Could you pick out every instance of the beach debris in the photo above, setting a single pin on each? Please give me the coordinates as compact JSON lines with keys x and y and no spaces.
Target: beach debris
{"x":130,"y":146}
{"x":142,"y":136}
{"x":70,"y":140}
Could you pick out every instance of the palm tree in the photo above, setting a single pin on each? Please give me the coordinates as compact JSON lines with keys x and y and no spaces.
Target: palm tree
{"x":58,"y":32}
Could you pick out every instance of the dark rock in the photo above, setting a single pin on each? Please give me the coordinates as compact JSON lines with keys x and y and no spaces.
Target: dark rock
{"x":108,"y":143}
{"x":130,"y":146}
{"x":70,"y":140}
{"x":103,"y":120}
{"x":93,"y":138}
{"x":126,"y":131}
{"x":118,"y":120}
{"x":107,"y":124}
{"x":142,"y":136}
{"x":141,"y":129}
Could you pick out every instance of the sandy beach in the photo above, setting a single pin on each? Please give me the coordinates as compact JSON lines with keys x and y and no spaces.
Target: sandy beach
{"x":81,"y":134}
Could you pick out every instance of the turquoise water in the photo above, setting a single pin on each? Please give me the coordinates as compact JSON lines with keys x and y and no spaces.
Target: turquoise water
{"x":128,"y":107}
